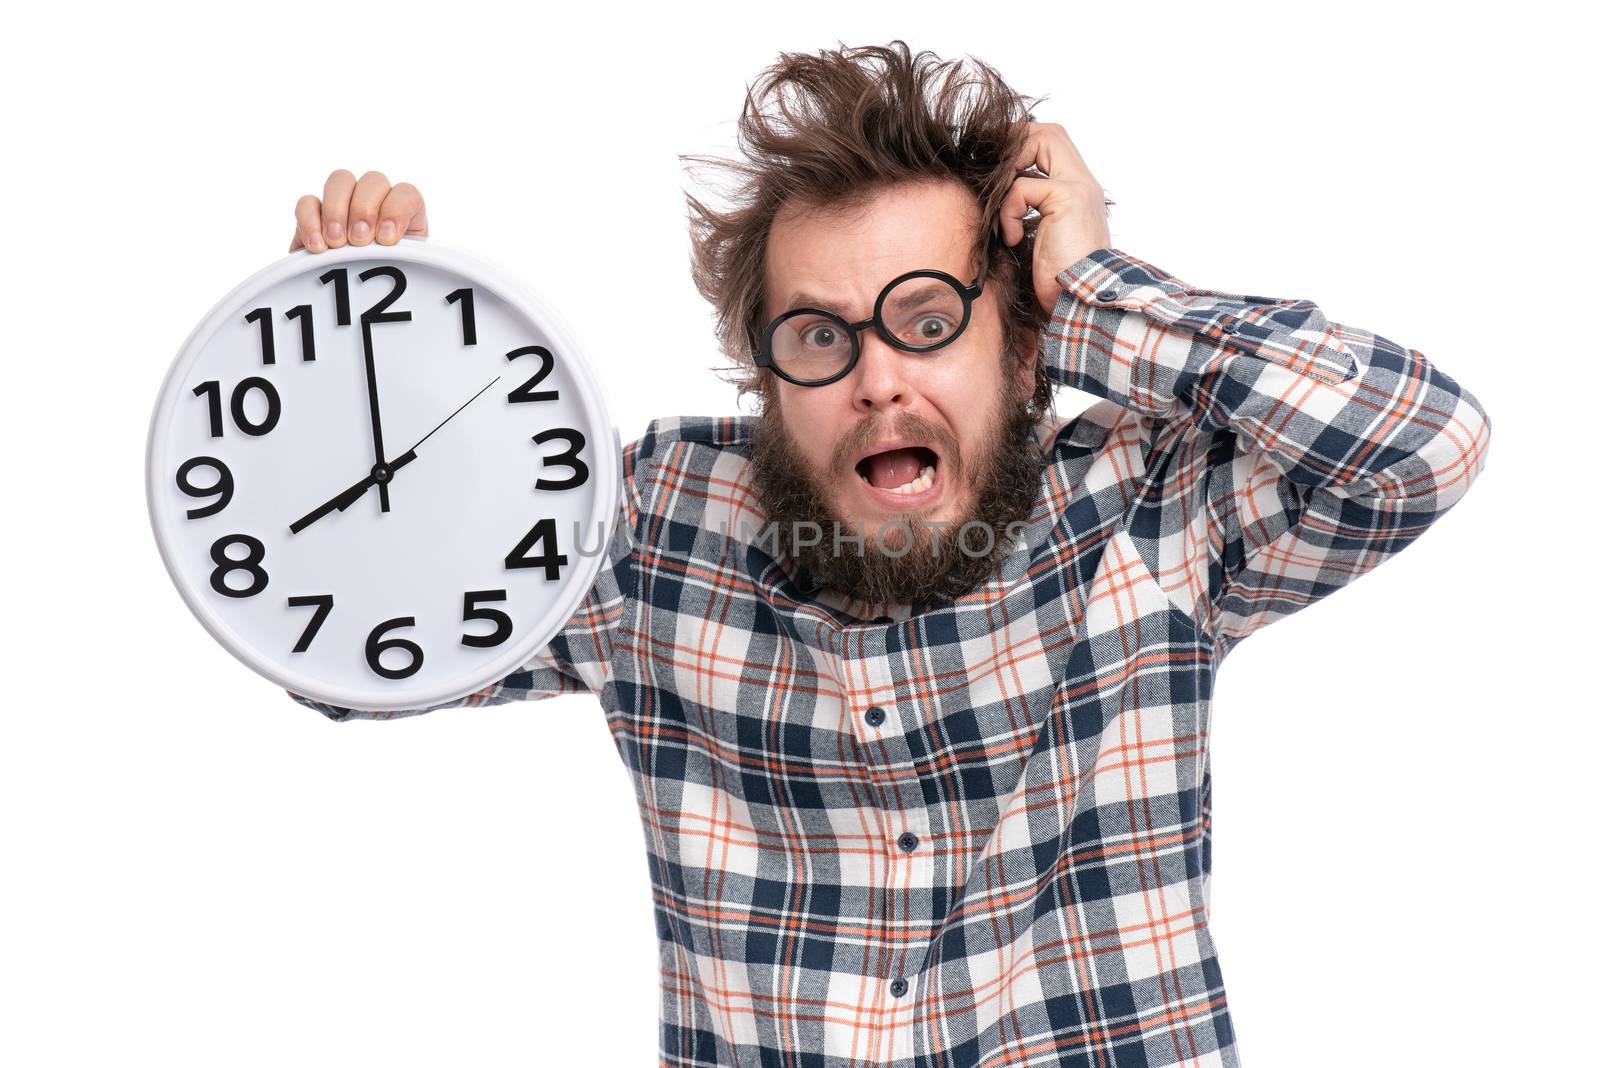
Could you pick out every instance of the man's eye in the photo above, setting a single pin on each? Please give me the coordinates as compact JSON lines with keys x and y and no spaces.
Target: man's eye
{"x":931,"y":328}
{"x":821,"y":337}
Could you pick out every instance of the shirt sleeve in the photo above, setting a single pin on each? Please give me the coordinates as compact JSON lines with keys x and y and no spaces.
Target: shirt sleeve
{"x":1290,"y":454}
{"x":578,"y":658}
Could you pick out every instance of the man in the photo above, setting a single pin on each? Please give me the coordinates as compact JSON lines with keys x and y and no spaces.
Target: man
{"x":933,"y":787}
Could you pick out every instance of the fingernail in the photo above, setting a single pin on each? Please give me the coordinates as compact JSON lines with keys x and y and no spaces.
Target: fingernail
{"x":335,"y":231}
{"x":316,"y":243}
{"x":386,"y":230}
{"x":360,"y":231}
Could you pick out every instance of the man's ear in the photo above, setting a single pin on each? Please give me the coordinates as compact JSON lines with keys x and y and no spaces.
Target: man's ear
{"x":1027,"y":347}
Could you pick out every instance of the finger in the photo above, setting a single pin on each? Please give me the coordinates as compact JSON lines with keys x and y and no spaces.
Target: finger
{"x":336,"y":207}
{"x":308,"y":225}
{"x":1051,"y":150}
{"x":401,"y":213}
{"x":1024,"y":193}
{"x":1035,"y":151}
{"x":364,"y":205}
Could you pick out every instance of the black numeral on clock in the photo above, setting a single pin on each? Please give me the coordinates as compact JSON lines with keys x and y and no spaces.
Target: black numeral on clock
{"x":471,"y":610}
{"x":308,"y":335}
{"x":323,"y":602}
{"x":212,"y":392}
{"x":377,"y":644}
{"x":222,"y":488}
{"x":469,"y":322}
{"x":525,"y":392}
{"x":262,"y":317}
{"x":340,"y":277}
{"x":378,"y":313}
{"x":544,"y":531}
{"x":250,"y":563}
{"x":568,"y":459}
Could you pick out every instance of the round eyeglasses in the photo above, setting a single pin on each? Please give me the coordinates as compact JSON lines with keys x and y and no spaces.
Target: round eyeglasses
{"x":920,"y":311}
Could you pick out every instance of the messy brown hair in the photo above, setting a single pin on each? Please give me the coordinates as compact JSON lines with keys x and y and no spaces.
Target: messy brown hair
{"x":833,"y":129}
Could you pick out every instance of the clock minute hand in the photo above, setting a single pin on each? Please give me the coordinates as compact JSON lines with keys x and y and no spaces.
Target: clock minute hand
{"x":372,"y":406}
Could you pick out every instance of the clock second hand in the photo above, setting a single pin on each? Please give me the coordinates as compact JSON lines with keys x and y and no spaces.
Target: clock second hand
{"x":381,"y":473}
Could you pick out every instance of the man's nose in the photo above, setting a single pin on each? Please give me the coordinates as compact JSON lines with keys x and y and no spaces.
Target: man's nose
{"x":878,"y":381}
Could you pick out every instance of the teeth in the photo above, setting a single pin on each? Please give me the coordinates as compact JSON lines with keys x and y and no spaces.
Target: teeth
{"x":923,"y":480}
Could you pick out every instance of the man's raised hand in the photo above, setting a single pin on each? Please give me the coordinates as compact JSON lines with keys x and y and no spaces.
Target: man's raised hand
{"x":1072,"y":208}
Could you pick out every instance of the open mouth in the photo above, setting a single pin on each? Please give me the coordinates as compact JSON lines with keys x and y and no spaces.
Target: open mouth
{"x":905,"y":475}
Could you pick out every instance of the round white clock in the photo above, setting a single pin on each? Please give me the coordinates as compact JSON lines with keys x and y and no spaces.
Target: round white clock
{"x":382,"y":476}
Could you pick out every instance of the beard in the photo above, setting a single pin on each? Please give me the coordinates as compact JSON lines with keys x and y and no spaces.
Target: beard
{"x":909,"y":559}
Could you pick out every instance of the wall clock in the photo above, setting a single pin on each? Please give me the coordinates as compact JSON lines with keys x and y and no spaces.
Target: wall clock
{"x":382,"y":476}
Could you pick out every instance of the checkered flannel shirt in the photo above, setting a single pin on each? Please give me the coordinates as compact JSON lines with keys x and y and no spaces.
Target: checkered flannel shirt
{"x":980,"y":834}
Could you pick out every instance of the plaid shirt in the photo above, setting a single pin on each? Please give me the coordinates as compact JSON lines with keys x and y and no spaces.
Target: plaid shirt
{"x":980,"y":834}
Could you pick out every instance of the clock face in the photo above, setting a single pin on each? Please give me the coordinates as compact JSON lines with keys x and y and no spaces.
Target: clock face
{"x":382,"y":476}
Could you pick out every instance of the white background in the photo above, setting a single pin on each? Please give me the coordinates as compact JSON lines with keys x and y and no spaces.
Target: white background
{"x":199,"y":872}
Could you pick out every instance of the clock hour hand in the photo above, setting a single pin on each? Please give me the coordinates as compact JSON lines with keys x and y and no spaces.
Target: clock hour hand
{"x":341,"y":502}
{"x":354,"y":493}
{"x":379,"y":476}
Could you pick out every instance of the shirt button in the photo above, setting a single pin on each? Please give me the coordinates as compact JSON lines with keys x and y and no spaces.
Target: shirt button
{"x":1230,"y":326}
{"x":1107,"y":295}
{"x":908,"y":841}
{"x":898,"y":987}
{"x":874,"y":716}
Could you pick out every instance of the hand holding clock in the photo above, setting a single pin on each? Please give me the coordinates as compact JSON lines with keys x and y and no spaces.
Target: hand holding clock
{"x":358,"y":212}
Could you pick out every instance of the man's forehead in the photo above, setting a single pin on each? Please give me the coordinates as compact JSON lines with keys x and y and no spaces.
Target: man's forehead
{"x":828,"y":257}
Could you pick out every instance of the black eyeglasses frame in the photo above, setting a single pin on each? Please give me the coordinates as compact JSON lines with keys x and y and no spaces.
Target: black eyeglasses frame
{"x":968,"y":293}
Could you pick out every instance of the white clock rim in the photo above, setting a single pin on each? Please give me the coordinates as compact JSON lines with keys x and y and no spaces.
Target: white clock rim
{"x":607,"y":467}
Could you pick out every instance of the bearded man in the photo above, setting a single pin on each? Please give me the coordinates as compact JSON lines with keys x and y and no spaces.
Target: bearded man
{"x":913,"y":677}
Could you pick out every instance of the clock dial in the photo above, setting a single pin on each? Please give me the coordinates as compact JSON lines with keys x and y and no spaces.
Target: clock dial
{"x":382,"y":476}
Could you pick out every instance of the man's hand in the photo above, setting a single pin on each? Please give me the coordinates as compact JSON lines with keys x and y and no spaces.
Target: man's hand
{"x":1072,"y":208}
{"x":358,"y":212}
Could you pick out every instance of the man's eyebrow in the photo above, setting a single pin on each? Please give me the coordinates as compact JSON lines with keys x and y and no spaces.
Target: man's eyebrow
{"x":909,"y":298}
{"x":806,"y":300}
